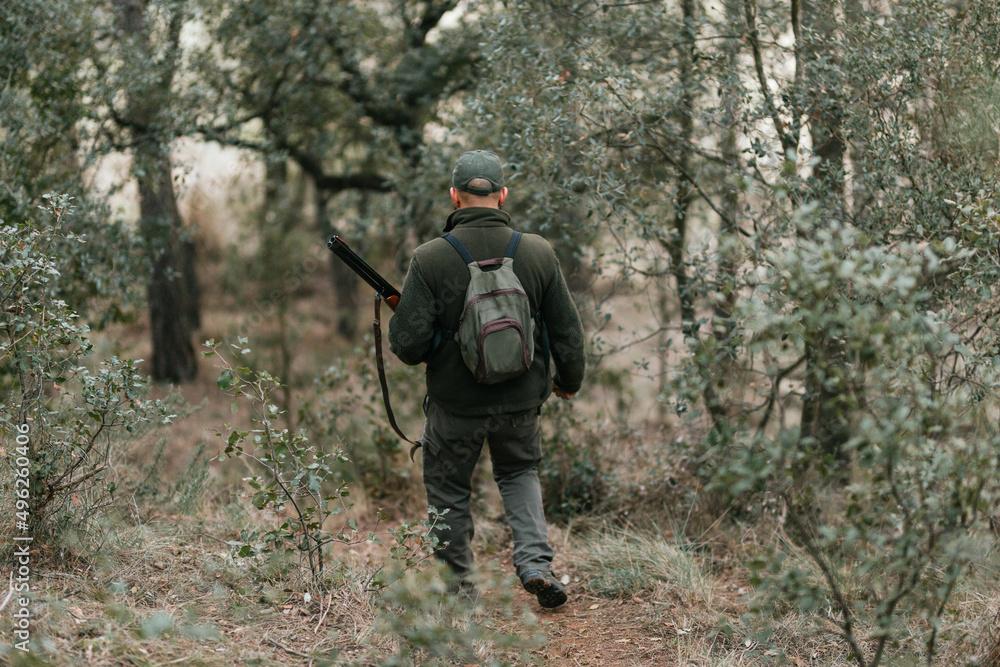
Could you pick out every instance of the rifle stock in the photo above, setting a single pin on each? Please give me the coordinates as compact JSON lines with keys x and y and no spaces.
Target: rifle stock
{"x":381,"y":286}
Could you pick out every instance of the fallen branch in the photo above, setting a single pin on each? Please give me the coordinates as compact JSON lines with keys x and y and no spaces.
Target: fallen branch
{"x":286,"y":649}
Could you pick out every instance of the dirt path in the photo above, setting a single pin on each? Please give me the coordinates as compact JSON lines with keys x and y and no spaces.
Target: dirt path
{"x":593,"y":631}
{"x":588,"y":629}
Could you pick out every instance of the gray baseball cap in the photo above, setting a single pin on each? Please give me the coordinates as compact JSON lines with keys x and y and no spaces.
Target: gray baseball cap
{"x":477,"y":164}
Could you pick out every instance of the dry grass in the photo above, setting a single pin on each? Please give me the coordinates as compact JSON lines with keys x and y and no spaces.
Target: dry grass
{"x":167,"y":591}
{"x":170,"y":592}
{"x":624,"y":563}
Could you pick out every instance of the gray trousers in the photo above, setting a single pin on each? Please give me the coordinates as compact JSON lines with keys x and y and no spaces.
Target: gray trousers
{"x":451,"y":447}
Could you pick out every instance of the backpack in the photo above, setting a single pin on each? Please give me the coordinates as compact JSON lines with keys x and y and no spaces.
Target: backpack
{"x":496,"y":333}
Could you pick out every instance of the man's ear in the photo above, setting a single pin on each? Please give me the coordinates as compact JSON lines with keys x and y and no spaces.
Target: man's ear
{"x":503,"y":196}
{"x":454,"y":197}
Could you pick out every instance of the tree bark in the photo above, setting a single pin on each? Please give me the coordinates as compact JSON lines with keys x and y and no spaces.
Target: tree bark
{"x":822,"y":416}
{"x":685,"y":197}
{"x":685,"y":193}
{"x":825,"y":99}
{"x":174,"y":358}
{"x":728,"y":237}
{"x":278,"y":217}
{"x":172,"y":290}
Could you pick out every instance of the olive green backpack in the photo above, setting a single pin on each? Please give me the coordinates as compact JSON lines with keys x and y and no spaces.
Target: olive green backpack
{"x":497,"y":331}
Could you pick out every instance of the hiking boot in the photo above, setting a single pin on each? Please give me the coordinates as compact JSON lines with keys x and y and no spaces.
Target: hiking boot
{"x":545,"y":587}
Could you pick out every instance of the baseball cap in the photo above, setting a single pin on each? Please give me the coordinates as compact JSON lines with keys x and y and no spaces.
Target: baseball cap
{"x":477,"y":164}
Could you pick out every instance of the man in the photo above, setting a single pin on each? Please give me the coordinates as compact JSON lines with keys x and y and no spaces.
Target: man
{"x":463,"y":413}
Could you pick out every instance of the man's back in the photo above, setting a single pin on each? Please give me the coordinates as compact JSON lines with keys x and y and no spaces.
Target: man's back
{"x":434,"y":301}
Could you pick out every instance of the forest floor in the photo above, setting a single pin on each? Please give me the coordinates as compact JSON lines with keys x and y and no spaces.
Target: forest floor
{"x":160,"y":586}
{"x":177,"y":598}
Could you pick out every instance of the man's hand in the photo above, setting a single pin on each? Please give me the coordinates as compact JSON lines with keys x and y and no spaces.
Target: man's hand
{"x":558,"y":391}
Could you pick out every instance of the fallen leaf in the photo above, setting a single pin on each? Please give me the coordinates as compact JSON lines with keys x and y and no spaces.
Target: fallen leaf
{"x":594,"y":606}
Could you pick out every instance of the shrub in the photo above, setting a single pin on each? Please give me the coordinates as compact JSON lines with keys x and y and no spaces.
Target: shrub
{"x":65,"y":420}
{"x":885,"y":522}
{"x":574,"y":472}
{"x":296,"y":484}
{"x":290,"y":476}
{"x":347,"y":407}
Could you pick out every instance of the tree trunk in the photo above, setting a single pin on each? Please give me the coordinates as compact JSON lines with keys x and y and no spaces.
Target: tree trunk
{"x":192,"y":288}
{"x":686,"y":57}
{"x":174,"y":358}
{"x":172,"y":291}
{"x":663,"y":340}
{"x":685,"y":192}
{"x":854,"y":15}
{"x":825,"y":101}
{"x":728,"y":237}
{"x":279,"y":214}
{"x":822,"y":416}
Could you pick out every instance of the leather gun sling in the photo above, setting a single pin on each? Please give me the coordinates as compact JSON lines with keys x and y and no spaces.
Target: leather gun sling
{"x":380,"y":362}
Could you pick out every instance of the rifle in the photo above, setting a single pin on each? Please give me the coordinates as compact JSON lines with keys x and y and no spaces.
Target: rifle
{"x":383,"y":291}
{"x":367,"y":273}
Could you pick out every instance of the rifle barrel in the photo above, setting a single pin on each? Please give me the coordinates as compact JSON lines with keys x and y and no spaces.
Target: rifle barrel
{"x":367,"y":273}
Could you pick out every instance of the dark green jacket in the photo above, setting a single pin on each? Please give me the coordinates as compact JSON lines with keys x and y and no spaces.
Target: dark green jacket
{"x":433,"y":300}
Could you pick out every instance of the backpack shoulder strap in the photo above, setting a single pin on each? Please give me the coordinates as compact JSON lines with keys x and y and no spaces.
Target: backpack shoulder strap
{"x":512,"y":246}
{"x":466,"y":255}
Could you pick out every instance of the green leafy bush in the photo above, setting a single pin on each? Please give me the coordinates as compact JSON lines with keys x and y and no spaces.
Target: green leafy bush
{"x":300,"y":488}
{"x":65,"y":419}
{"x":346,"y":406}
{"x":885,"y":524}
{"x":575,"y":479}
{"x":290,"y":475}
